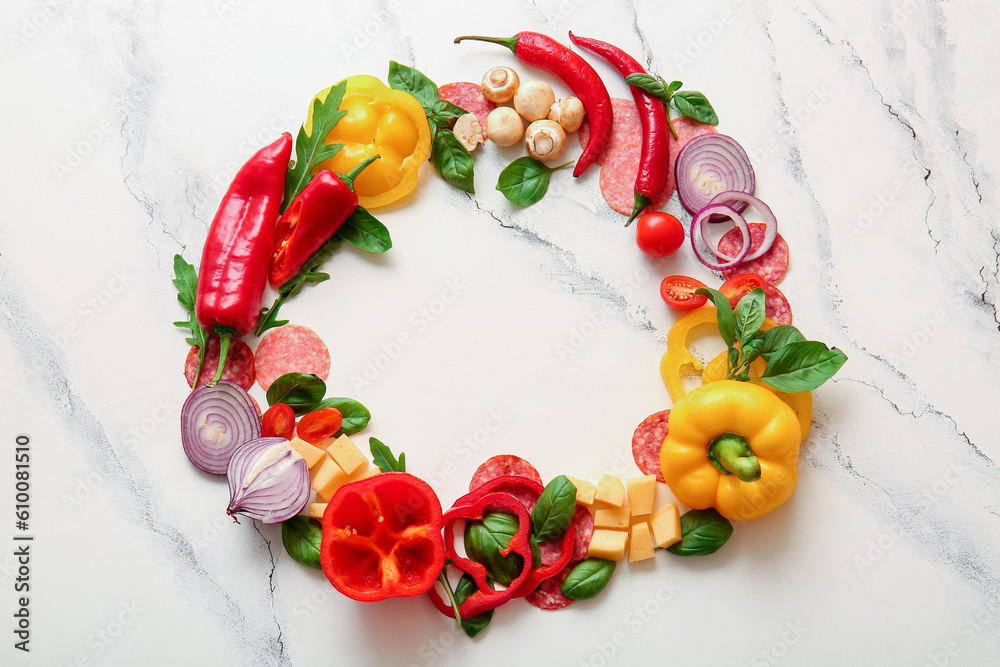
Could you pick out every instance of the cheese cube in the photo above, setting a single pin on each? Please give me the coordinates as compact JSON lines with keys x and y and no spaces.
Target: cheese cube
{"x":608,"y":544}
{"x":365,"y":474}
{"x":584,"y":490}
{"x":666,"y":525}
{"x":610,"y":490}
{"x":612,"y":517}
{"x":640,"y":546}
{"x":316,"y":510}
{"x":328,"y":478}
{"x":312,"y":455}
{"x":641,"y":491}
{"x":346,"y":454}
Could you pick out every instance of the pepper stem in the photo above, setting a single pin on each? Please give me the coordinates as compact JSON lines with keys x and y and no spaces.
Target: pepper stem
{"x":670,"y":124}
{"x":641,"y":202}
{"x":225,"y":334}
{"x":349,"y":177}
{"x":731,"y":454}
{"x":509,"y":42}
{"x":443,"y":578}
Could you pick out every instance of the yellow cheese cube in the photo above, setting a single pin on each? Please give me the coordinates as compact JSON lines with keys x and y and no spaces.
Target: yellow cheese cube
{"x":316,"y":510}
{"x":612,"y":517}
{"x":584,"y":490}
{"x":365,"y":474}
{"x":641,"y":491}
{"x":608,"y":544}
{"x":328,"y":478}
{"x":610,"y":490}
{"x":666,"y":524}
{"x":346,"y":454}
{"x":640,"y":545}
{"x":313,"y":455}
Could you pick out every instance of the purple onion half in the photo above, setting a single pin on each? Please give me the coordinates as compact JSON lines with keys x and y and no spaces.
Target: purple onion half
{"x":214,"y":422}
{"x":708,"y":165}
{"x":268,"y":481}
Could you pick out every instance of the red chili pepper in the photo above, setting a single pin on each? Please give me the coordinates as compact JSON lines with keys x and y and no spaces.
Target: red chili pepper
{"x":546,"y":53}
{"x":382,"y":537}
{"x":654,"y":160}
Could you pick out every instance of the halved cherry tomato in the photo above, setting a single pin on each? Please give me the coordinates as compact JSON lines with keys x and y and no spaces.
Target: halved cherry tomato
{"x":278,"y":421}
{"x":740,"y":285}
{"x":319,"y":424}
{"x":678,"y":292}
{"x":659,"y":234}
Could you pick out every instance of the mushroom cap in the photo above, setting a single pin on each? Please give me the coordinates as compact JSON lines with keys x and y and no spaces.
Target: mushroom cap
{"x":499,"y":84}
{"x":545,"y":140}
{"x":504,"y":126}
{"x":533,"y":100}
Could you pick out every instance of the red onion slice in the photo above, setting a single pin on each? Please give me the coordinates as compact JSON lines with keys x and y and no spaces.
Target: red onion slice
{"x":268,"y":480}
{"x":699,"y":241}
{"x":770,"y":222}
{"x":711,"y":164}
{"x":214,"y":422}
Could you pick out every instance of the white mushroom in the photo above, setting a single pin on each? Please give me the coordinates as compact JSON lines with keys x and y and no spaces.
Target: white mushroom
{"x":499,"y":84}
{"x":469,"y":131}
{"x":568,"y":112}
{"x":504,"y":127}
{"x":533,"y":100}
{"x":545,"y":140}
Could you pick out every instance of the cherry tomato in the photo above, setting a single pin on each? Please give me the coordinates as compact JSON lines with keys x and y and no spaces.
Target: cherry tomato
{"x":278,"y":421}
{"x":659,"y":234}
{"x":319,"y":425}
{"x":740,"y":285}
{"x":678,"y":292}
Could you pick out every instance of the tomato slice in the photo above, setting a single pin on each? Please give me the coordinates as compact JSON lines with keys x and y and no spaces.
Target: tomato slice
{"x":319,"y":425}
{"x":740,"y":285}
{"x":678,"y":292}
{"x":278,"y":421}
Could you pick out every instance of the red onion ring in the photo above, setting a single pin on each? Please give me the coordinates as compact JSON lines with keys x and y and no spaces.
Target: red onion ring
{"x":268,"y":481}
{"x":703,"y":250}
{"x":214,"y":422}
{"x":711,"y":164}
{"x":770,"y":222}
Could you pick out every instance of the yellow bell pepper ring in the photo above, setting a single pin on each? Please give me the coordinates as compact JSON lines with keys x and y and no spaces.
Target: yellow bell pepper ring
{"x":733,"y":446}
{"x":380,"y":121}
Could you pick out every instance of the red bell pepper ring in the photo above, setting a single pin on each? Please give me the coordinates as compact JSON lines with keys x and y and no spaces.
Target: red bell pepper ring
{"x":382,"y":538}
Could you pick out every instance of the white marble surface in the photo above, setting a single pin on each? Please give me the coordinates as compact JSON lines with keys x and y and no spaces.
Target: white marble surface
{"x":872,"y":130}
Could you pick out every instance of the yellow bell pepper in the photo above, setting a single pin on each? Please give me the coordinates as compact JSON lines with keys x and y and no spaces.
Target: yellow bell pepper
{"x":733,"y":446}
{"x":379,"y":121}
{"x":678,"y":355}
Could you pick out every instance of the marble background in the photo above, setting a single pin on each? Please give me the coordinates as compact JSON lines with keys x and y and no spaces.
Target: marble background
{"x":872,"y":131}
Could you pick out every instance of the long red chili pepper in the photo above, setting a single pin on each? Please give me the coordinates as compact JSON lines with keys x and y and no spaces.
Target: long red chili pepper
{"x":654,"y":159}
{"x":546,"y":53}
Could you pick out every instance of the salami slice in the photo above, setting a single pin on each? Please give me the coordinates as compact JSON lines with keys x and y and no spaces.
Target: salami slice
{"x":776,"y":306}
{"x":618,"y":180}
{"x":503,"y":465}
{"x":583,"y":525}
{"x":291,"y":349}
{"x":469,"y":96}
{"x":549,"y":595}
{"x":626,"y":130}
{"x":771,"y":266}
{"x":646,"y":442}
{"x":239,"y":363}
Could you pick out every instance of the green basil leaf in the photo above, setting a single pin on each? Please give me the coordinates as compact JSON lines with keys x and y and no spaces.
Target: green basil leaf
{"x":382,"y":457}
{"x":674,"y":86}
{"x":453,"y":161}
{"x":723,"y":314}
{"x":463,"y":591}
{"x":526,"y":180}
{"x":356,"y":416}
{"x":749,"y":315}
{"x":588,"y":578}
{"x":552,"y":514}
{"x":776,"y":337}
{"x":363,"y":230}
{"x":443,"y":113}
{"x":704,"y":532}
{"x":536,"y":551}
{"x":802,"y":366}
{"x":484,"y":539}
{"x":310,"y":149}
{"x":693,"y":104}
{"x":302,"y":536}
{"x":653,"y":85}
{"x":301,"y":391}
{"x":414,"y":82}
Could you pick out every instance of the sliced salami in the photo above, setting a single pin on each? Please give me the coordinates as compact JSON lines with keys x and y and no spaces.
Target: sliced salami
{"x":503,"y":465}
{"x":771,"y":266}
{"x":549,"y":595}
{"x":291,"y":349}
{"x":625,"y":132}
{"x":646,"y":442}
{"x":583,"y":526}
{"x":469,"y":96}
{"x":618,"y":180}
{"x":776,"y":306}
{"x":239,"y":363}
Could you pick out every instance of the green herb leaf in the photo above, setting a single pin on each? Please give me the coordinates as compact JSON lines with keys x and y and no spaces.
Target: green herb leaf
{"x":414,"y":82}
{"x":356,"y":416}
{"x":526,"y":180}
{"x":301,"y":391}
{"x":383,"y":458}
{"x":484,"y":540}
{"x":302,"y":536}
{"x":749,"y":315}
{"x":536,"y":551}
{"x":443,"y":113}
{"x":652,"y":84}
{"x":310,"y":149}
{"x":588,"y":578}
{"x":802,"y":366}
{"x":363,"y":230}
{"x":674,"y":86}
{"x":307,"y":275}
{"x":724,"y":314}
{"x":451,"y":159}
{"x":704,"y":532}
{"x":186,"y":283}
{"x":693,"y":104}
{"x":776,"y":337}
{"x":554,"y":510}
{"x":463,"y":591}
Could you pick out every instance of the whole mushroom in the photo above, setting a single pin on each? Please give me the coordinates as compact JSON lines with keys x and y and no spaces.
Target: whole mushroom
{"x":499,"y":84}
{"x":568,"y":112}
{"x":533,"y":100}
{"x":504,"y":126}
{"x":545,"y":140}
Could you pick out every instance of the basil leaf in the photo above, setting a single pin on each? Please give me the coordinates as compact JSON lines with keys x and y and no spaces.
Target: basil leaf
{"x":484,"y":539}
{"x":301,"y":391}
{"x":302,"y":536}
{"x":674,"y":86}
{"x":653,"y":85}
{"x":802,"y":366}
{"x":443,"y":113}
{"x":588,"y":578}
{"x":704,"y":532}
{"x":414,"y":82}
{"x":526,"y":180}
{"x":356,"y":416}
{"x":693,"y":104}
{"x":383,"y":458}
{"x":452,"y":160}
{"x":463,"y":591}
{"x":552,"y":514}
{"x":776,"y":337}
{"x":310,"y":149}
{"x":749,"y":315}
{"x":536,"y":551}
{"x":364,"y":230}
{"x":723,"y":314}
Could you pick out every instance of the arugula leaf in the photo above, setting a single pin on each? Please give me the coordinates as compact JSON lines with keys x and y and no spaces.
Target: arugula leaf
{"x":301,"y":391}
{"x":704,"y":531}
{"x":695,"y":105}
{"x":364,"y":231}
{"x":802,"y":366}
{"x":308,"y":274}
{"x":588,"y":578}
{"x":302,"y":536}
{"x":526,"y":180}
{"x":309,"y":148}
{"x":414,"y":82}
{"x":186,"y":283}
{"x":453,"y":161}
{"x":749,"y":315}
{"x":724,"y":314}
{"x":553,"y":513}
{"x":356,"y":416}
{"x":383,"y":458}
